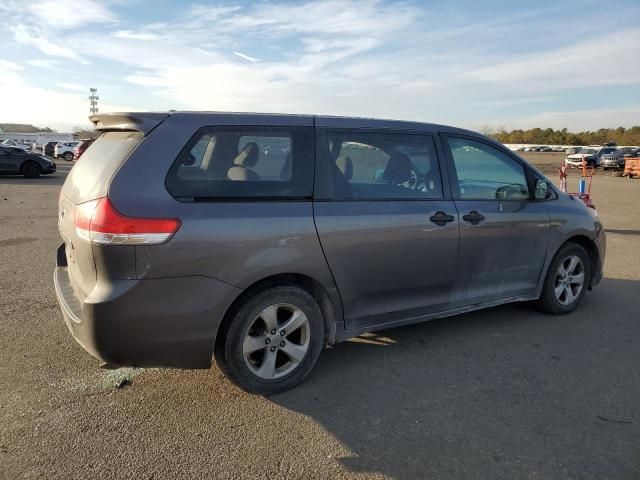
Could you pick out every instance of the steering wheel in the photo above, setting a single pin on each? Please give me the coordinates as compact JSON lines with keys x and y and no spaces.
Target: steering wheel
{"x":512,"y":190}
{"x":412,"y":181}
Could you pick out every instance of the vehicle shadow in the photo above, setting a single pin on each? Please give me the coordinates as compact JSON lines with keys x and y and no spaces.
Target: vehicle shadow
{"x":56,"y":178}
{"x":504,"y":393}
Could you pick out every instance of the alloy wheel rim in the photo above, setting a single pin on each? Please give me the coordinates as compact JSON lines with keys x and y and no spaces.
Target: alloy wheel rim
{"x":276,"y":341}
{"x":569,"y":280}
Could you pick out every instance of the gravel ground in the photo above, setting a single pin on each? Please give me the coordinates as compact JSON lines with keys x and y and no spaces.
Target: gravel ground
{"x":504,"y":393}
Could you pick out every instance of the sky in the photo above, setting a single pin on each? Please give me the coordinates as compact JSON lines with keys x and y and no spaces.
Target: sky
{"x":474,"y":64}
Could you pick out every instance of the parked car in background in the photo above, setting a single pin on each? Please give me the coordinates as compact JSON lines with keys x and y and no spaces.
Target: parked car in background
{"x":632,"y":152}
{"x":48,"y":149}
{"x":573,"y":150}
{"x":261,"y":239}
{"x":64,"y":150}
{"x":16,"y":161}
{"x":592,"y":156}
{"x":616,"y":159}
{"x":79,"y":149}
{"x":16,"y":144}
{"x":545,"y":148}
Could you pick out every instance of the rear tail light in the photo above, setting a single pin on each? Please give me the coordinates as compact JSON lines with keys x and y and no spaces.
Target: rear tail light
{"x":99,"y":222}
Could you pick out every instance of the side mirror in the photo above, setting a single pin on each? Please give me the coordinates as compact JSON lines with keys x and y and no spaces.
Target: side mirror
{"x":541,"y":191}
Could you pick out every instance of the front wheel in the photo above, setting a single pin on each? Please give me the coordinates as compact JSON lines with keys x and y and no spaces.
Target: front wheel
{"x":567,"y":280}
{"x":273,"y":340}
{"x":68,"y":156}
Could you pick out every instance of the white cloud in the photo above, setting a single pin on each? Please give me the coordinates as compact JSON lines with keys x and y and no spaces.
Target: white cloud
{"x":23,"y":103}
{"x":23,"y":35}
{"x":210,"y":13}
{"x":610,"y":59}
{"x":7,"y":65}
{"x":359,"y":57}
{"x":329,"y":17}
{"x":42,"y":63}
{"x":131,"y":35}
{"x":65,"y":14}
{"x":246,"y":57}
{"x":73,"y":86}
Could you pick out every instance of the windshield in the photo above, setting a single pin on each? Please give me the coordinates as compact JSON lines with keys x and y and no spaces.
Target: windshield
{"x":587,"y":150}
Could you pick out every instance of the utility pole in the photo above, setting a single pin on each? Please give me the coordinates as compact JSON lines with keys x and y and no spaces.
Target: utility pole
{"x":93,"y":101}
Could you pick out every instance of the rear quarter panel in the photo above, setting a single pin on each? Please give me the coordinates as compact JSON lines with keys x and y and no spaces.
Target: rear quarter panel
{"x":236,"y":242}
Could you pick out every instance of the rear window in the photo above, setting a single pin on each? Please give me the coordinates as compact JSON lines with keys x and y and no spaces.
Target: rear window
{"x":244,"y":162}
{"x":90,"y":176}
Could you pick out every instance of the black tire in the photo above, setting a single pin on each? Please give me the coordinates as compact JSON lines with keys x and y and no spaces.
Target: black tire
{"x":68,"y":156}
{"x":548,"y":302}
{"x":229,"y":344}
{"x":31,"y":169}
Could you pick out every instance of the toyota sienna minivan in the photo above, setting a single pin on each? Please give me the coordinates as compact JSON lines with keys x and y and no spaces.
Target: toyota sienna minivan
{"x":260,"y":239}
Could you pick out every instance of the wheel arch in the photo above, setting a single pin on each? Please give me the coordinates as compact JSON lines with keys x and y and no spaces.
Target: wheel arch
{"x":313,"y":287}
{"x":591,"y":249}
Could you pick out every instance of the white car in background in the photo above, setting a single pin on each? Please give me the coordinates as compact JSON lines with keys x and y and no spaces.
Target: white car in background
{"x":65,"y":150}
{"x":591,"y":155}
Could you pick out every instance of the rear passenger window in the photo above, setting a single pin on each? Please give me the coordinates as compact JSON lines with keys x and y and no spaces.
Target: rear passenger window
{"x":383,"y":166}
{"x":252,"y":162}
{"x":273,"y":156}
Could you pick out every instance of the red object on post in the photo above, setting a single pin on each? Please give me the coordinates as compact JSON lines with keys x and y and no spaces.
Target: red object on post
{"x":587,"y":173}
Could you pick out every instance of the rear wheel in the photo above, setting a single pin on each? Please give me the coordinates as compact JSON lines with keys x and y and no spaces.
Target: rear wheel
{"x":68,"y":156}
{"x":31,"y":169}
{"x":273,"y":341}
{"x":567,"y":280}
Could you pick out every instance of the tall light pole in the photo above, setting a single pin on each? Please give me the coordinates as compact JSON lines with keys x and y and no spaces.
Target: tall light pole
{"x":93,"y":101}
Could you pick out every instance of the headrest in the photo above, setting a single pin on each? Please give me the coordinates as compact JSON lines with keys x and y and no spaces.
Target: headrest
{"x":398,"y":169}
{"x":346,"y":167}
{"x":248,"y":156}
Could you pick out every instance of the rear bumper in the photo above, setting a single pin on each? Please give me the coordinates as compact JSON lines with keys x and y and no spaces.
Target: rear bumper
{"x":169,"y":322}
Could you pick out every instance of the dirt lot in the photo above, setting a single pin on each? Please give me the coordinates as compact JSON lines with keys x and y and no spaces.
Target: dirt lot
{"x":547,"y":162}
{"x":505,"y":393}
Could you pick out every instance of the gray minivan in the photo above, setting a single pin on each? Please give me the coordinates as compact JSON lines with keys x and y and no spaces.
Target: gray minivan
{"x":260,"y":239}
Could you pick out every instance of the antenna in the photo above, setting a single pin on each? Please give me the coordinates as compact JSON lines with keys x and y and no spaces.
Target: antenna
{"x":93,"y":101}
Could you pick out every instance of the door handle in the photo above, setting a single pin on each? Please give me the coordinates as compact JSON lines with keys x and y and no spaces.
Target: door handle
{"x":473,"y":217}
{"x":441,"y":219}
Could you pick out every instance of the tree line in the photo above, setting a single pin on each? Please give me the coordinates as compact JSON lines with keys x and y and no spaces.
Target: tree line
{"x":549,"y":136}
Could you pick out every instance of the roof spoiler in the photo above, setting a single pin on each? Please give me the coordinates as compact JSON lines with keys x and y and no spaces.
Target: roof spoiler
{"x":139,"y":121}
